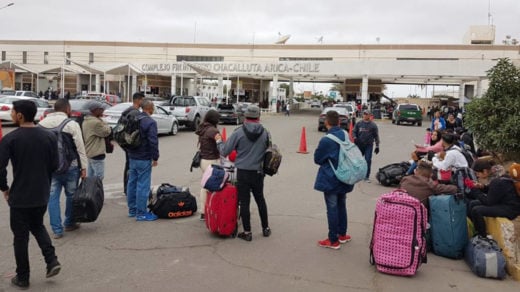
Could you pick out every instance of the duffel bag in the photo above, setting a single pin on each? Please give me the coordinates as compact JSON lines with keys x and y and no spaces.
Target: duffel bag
{"x":88,"y":200}
{"x":484,"y":257}
{"x":168,"y":201}
{"x":392,"y":174}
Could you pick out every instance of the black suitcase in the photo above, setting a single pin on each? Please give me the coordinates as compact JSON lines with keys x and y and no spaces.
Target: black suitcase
{"x":392,"y":173}
{"x":87,"y":200}
{"x":168,"y":201}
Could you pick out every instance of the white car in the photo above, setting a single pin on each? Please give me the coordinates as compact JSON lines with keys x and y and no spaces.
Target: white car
{"x":26,"y":93}
{"x":166,"y":121}
{"x":6,"y":104}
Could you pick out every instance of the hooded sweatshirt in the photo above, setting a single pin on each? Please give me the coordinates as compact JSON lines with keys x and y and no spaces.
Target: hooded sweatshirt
{"x":250,"y":141}
{"x":208,"y":145}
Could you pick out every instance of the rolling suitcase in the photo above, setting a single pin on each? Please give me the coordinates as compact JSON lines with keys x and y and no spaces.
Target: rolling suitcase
{"x":448,"y":226}
{"x":398,"y":244}
{"x":87,"y":200}
{"x":221,"y":211}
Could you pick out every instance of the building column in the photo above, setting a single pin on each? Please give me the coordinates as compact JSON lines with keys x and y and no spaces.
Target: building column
{"x":134,"y":84}
{"x":291,"y":93}
{"x":220,"y":87}
{"x":364,"y":90}
{"x":461,"y":95}
{"x":479,"y":89}
{"x":274,"y":93}
{"x":173,"y":89}
{"x":98,"y":89}
{"x":78,"y":83}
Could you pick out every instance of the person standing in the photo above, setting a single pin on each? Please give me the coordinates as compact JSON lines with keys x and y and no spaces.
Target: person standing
{"x":95,"y":130}
{"x":141,"y":161}
{"x":438,"y":122}
{"x":287,"y":109}
{"x":33,"y":153}
{"x":137,"y":98}
{"x":250,"y":142}
{"x":334,"y":191}
{"x":365,"y":134}
{"x":209,"y":153}
{"x":68,"y":180}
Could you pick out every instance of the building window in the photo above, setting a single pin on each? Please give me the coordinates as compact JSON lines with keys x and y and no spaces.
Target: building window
{"x":45,"y":58}
{"x":3,"y":56}
{"x":90,"y":58}
{"x":67,"y":61}
{"x":200,"y":58}
{"x":24,"y":57}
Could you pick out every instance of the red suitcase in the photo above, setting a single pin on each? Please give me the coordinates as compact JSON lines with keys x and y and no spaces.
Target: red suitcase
{"x":221,"y":211}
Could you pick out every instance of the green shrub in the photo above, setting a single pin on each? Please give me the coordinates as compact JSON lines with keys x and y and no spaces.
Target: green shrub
{"x":494,"y":119}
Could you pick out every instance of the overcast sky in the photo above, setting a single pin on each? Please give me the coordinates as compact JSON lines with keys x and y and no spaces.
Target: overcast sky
{"x":234,"y":21}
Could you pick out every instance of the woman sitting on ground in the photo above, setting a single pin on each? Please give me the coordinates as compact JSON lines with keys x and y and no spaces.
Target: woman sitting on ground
{"x":421,"y":151}
{"x":496,"y":199}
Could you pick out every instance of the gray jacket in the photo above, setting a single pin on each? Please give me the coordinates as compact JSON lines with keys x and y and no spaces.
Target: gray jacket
{"x":250,"y":141}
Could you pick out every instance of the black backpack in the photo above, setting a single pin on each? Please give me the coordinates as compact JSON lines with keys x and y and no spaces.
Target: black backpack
{"x":67,"y":151}
{"x":127,"y":132}
{"x":392,"y":174}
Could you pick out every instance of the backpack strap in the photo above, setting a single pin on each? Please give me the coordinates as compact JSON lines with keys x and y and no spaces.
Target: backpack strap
{"x":63,"y":124}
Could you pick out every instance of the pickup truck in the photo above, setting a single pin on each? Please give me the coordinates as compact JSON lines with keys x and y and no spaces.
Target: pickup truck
{"x":410,"y":113}
{"x":189,"y":110}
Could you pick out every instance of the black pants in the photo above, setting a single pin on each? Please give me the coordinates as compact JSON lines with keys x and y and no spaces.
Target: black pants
{"x":24,"y":220}
{"x":251,"y":181}
{"x":477,"y":212}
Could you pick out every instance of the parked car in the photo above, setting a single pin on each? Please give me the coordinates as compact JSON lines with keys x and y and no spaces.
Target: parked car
{"x":410,"y":113}
{"x":6,"y":104}
{"x":109,"y":98}
{"x":166,"y":121}
{"x":343,"y":118}
{"x":79,"y":109}
{"x":26,"y":93}
{"x":189,"y":110}
{"x":230,"y":114}
{"x":315,"y":103}
{"x":350,"y":109}
{"x":8,"y":92}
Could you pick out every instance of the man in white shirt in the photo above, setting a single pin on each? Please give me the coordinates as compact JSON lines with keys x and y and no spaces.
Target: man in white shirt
{"x":451,"y":157}
{"x":68,"y":180}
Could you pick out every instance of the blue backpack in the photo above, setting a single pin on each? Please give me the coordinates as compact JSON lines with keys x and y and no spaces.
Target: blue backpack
{"x":352,"y":166}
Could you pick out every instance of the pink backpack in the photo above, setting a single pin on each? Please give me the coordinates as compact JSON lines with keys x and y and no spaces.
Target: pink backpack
{"x":398,"y":244}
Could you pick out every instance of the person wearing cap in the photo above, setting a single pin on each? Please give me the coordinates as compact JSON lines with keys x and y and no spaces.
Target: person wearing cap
{"x":68,"y":180}
{"x":365,"y":134}
{"x":95,"y":130}
{"x":250,"y":142}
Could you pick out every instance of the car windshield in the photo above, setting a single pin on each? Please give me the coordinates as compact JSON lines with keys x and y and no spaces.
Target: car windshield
{"x":120,"y":107}
{"x":340,"y":110}
{"x":408,"y":107}
{"x":226,"y":106}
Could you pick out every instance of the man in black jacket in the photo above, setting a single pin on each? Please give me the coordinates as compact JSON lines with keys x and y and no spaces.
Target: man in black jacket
{"x":33,"y":153}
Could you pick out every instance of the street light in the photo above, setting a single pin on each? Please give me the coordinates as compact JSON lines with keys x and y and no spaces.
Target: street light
{"x":10,"y":4}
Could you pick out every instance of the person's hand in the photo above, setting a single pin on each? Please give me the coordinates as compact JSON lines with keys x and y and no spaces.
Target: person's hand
{"x":154,"y":163}
{"x":6,"y":195}
{"x":218,"y":138}
{"x":442,"y":154}
{"x":376,"y":151}
{"x":414,"y":156}
{"x":83,"y":173}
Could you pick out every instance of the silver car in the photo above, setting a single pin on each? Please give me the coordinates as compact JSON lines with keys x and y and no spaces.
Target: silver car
{"x":6,"y":104}
{"x":166,"y":122}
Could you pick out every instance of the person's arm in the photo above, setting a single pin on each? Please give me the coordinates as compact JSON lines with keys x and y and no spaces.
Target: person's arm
{"x":153,"y":139}
{"x":322,"y":152}
{"x":101,"y":129}
{"x":438,"y":188}
{"x":376,"y":134}
{"x":4,"y":160}
{"x":496,"y":192}
{"x":226,"y":147}
{"x":435,"y":148}
{"x":446,"y":163}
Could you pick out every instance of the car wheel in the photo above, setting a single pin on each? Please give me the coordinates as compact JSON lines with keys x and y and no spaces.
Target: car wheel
{"x":419,"y":124}
{"x":196,"y":123}
{"x":397,"y":122}
{"x":174,"y":130}
{"x":393,"y":121}
{"x":319,"y":129}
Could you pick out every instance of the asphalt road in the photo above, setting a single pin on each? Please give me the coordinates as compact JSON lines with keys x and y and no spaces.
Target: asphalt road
{"x":118,"y":254}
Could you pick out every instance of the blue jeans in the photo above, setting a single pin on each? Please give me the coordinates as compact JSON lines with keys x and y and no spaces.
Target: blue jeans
{"x":138,"y":188}
{"x":410,"y":170}
{"x":68,"y":181}
{"x":336,"y":214}
{"x":366,"y":151}
{"x":96,"y":167}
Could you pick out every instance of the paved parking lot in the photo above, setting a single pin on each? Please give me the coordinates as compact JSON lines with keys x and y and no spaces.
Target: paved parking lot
{"x":118,"y":254}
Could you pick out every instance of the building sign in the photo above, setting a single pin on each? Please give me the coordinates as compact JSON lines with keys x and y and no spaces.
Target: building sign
{"x":232,"y":68}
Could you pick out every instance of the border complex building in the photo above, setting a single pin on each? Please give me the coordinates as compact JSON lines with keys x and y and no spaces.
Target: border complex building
{"x":253,"y":70}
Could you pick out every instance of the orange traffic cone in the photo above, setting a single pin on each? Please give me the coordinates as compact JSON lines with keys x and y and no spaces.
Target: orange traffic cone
{"x":224,"y":136}
{"x":351,"y":131}
{"x":303,"y":142}
{"x":1,"y":135}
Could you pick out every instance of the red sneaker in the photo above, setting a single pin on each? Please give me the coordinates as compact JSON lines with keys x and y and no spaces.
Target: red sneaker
{"x":344,"y":238}
{"x":326,"y":243}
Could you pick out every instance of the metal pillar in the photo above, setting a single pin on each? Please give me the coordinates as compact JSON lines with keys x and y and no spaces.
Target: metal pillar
{"x":98,"y":80}
{"x":364,"y":90}
{"x":461,"y":95}
{"x":173,"y":89}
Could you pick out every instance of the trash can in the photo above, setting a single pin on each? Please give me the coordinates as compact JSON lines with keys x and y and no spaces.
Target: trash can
{"x":377,"y":113}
